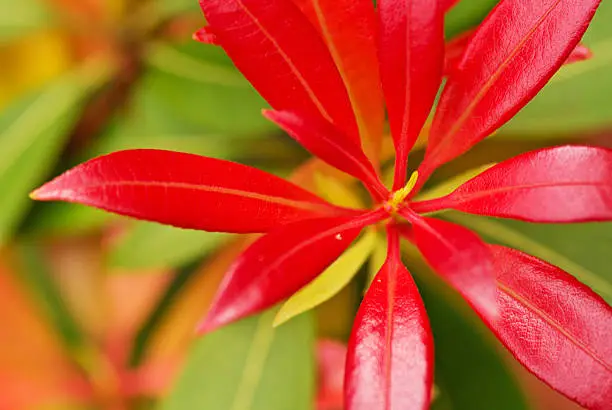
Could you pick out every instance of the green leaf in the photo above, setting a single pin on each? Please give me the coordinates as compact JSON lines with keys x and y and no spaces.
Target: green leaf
{"x":197,"y":84}
{"x":330,"y":282}
{"x":466,"y":15}
{"x":582,"y":250}
{"x":249,"y":365}
{"x":577,"y":99}
{"x":21,"y":17}
{"x":34,"y":131}
{"x":471,"y":369}
{"x":170,"y":8}
{"x":150,"y":245}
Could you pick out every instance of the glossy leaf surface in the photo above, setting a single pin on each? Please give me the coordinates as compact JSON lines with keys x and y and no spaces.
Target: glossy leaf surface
{"x":327,"y":142}
{"x":512,"y":55}
{"x":463,"y":342}
{"x":390,"y":356}
{"x":281,"y":54}
{"x":411,"y":58}
{"x":249,"y":365}
{"x":330,"y":282}
{"x":580,"y":249}
{"x":457,"y":46}
{"x":561,"y":184}
{"x":349,"y":27}
{"x":461,"y":258}
{"x":281,"y":263}
{"x":555,"y":326}
{"x":551,"y":113}
{"x":185,"y":190}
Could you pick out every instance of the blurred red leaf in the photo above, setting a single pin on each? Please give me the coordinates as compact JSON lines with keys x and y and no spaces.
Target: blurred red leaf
{"x":188,"y":191}
{"x":331,"y":359}
{"x":390,"y":354}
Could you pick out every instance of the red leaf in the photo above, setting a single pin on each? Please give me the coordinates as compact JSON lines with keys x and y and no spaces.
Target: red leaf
{"x":331,"y":359}
{"x":411,"y":58}
{"x":390,"y":356}
{"x":512,"y":55}
{"x":206,"y":36}
{"x":460,"y":257}
{"x":185,"y":190}
{"x":555,"y":326}
{"x":348,"y":27}
{"x":280,"y":263}
{"x":561,"y":184}
{"x":457,"y":46}
{"x":281,"y":54}
{"x":580,"y":53}
{"x":327,"y":142}
{"x":447,"y":4}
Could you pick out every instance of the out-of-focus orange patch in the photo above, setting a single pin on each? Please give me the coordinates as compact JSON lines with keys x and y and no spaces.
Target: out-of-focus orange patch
{"x":33,"y":367}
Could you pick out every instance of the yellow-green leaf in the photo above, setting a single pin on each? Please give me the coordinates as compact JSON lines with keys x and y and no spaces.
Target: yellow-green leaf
{"x":336,"y":192}
{"x":330,"y":282}
{"x":448,"y":186}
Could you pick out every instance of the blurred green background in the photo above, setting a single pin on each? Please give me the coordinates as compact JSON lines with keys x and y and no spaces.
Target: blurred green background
{"x":99,"y":310}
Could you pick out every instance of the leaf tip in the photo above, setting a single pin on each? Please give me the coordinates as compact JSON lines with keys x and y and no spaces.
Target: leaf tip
{"x":39,"y":194}
{"x":205,"y":36}
{"x":281,"y":318}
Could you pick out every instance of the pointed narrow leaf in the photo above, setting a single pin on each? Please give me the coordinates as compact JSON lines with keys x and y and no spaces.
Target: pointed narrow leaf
{"x":281,"y":263}
{"x":330,"y":282}
{"x":327,"y":142}
{"x":555,"y":326}
{"x":390,"y":355}
{"x":281,"y":54}
{"x":460,"y":257}
{"x":349,"y":30}
{"x":411,"y":58}
{"x":472,"y":372}
{"x":561,"y":184}
{"x":512,"y":55}
{"x":187,"y":191}
{"x":457,"y":46}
